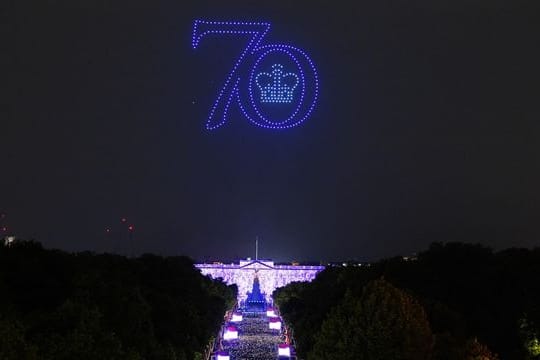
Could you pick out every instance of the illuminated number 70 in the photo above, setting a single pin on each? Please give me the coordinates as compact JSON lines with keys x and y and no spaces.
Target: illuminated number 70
{"x":287,"y":90}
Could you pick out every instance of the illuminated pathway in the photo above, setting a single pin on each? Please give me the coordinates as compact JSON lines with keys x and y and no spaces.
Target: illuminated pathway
{"x":255,"y":337}
{"x":256,"y":341}
{"x":254,"y":330}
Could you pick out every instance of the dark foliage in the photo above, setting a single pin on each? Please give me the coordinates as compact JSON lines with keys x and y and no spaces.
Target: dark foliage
{"x":56,"y":305}
{"x":471,"y":295}
{"x":384,"y":323}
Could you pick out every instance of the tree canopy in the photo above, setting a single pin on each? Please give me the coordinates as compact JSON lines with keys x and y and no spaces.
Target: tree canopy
{"x":476,"y":301}
{"x":57,"y":305}
{"x":384,"y":323}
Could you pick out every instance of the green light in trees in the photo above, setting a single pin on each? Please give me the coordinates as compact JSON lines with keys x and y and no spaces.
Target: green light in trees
{"x":534,"y":347}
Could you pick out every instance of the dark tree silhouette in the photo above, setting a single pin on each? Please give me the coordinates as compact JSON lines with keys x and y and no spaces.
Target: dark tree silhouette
{"x":56,"y":305}
{"x":383,"y":323}
{"x":467,"y":291}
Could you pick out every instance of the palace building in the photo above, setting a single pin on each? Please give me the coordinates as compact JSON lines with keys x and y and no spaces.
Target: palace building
{"x":264,"y":273}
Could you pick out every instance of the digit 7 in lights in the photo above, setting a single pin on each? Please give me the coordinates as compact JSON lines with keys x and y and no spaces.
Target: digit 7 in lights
{"x":275,"y":86}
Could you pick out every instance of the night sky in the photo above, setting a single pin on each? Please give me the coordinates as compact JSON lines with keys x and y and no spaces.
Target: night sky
{"x":427,"y":129}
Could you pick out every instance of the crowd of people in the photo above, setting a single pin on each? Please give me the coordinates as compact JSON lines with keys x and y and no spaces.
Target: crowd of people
{"x":256,"y":341}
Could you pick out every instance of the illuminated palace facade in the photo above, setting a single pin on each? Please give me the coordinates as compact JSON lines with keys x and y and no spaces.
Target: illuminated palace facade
{"x":270,"y":276}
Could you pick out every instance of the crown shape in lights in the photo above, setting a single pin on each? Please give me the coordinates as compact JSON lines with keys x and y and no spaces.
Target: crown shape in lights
{"x":277,"y":87}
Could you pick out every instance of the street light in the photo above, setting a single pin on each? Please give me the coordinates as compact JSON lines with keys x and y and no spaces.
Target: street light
{"x":284,"y":350}
{"x":222,"y":355}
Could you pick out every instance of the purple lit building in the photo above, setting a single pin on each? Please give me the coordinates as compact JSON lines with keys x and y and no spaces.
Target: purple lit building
{"x":270,"y":276}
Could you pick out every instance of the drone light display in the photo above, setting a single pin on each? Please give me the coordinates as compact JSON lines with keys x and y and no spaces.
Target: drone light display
{"x":275,"y":85}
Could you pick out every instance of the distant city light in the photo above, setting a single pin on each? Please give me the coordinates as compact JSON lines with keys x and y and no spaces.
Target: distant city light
{"x":9,"y":240}
{"x":270,"y":313}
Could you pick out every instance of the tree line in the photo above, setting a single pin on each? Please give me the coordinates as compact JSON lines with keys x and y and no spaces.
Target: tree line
{"x":453,"y":301}
{"x":64,"y":306}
